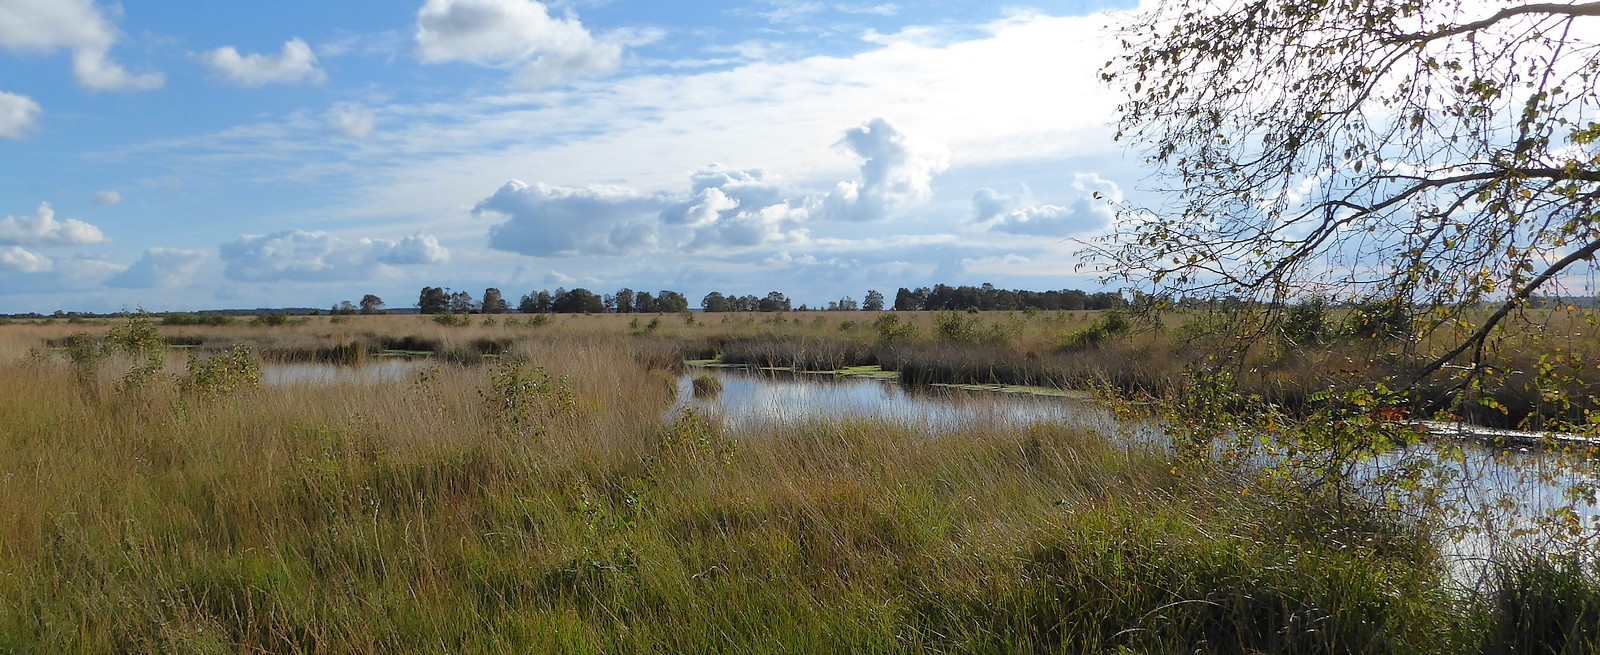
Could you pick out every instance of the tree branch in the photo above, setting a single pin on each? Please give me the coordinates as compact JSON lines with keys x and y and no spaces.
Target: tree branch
{"x":1554,"y":9}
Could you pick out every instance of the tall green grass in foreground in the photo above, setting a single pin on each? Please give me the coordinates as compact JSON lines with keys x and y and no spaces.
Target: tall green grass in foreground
{"x":545,"y":506}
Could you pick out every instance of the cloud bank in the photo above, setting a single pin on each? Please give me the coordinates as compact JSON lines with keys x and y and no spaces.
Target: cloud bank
{"x":318,"y":256}
{"x":1092,"y":209}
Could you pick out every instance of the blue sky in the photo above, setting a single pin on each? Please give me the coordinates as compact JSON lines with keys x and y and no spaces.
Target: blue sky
{"x":189,"y":155}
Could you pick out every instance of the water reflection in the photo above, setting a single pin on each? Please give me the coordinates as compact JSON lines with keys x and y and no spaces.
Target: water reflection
{"x":385,"y":369}
{"x":751,"y":399}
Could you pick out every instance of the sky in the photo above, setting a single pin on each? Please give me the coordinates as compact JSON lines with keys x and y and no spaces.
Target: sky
{"x":191,"y":154}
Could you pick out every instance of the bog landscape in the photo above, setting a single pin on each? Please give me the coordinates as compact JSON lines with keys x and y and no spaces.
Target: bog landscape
{"x":1127,"y":326}
{"x":545,"y":482}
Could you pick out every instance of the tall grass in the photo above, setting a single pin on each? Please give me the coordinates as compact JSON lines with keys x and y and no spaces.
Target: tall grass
{"x":555,"y":502}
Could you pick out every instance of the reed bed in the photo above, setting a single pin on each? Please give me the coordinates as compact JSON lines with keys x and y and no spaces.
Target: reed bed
{"x":550,"y":499}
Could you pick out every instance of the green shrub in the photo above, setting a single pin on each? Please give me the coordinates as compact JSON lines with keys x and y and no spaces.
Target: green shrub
{"x":1110,"y":324}
{"x":223,"y":374}
{"x":891,"y":329}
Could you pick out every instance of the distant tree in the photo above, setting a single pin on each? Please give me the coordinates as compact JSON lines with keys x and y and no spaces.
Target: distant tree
{"x":624,"y":300}
{"x":578,"y":301}
{"x":493,"y":302}
{"x":371,"y":304}
{"x":873,"y":302}
{"x":461,"y":302}
{"x":343,"y":308}
{"x":904,"y":301}
{"x":433,"y":300}
{"x":715,"y":302}
{"x":671,"y":302}
{"x":644,"y":303}
{"x":537,"y":302}
{"x":774,"y":302}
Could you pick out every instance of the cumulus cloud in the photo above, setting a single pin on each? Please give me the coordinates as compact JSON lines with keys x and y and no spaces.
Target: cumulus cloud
{"x":14,"y":258}
{"x":895,"y":172}
{"x":1090,"y":211}
{"x":724,"y":208}
{"x":294,"y":65}
{"x":319,"y":256}
{"x":734,"y":208}
{"x":42,"y":229}
{"x":107,"y":197}
{"x":160,"y":267}
{"x":515,"y":34}
{"x":549,"y":221}
{"x":43,"y":26}
{"x":351,"y":120}
{"x":18,"y":114}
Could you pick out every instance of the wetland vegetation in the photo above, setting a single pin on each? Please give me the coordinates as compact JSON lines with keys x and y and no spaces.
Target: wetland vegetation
{"x":537,"y":486}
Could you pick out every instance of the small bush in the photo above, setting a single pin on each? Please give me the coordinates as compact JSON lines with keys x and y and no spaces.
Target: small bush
{"x":223,"y":374}
{"x":706,"y":386}
{"x":273,"y":319}
{"x":453,"y":320}
{"x":1110,"y":324}
{"x":891,"y":329}
{"x":1306,"y":323}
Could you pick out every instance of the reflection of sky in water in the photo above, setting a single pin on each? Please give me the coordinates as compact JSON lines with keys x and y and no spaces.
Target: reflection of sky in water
{"x":385,"y":369}
{"x":751,"y":399}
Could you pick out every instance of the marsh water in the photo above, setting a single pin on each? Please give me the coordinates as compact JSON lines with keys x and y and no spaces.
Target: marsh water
{"x":754,"y":398}
{"x":1511,"y":484}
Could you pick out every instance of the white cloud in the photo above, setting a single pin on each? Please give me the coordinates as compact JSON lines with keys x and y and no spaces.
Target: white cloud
{"x":547,"y":221}
{"x":317,"y":256}
{"x":1091,"y":210}
{"x":889,"y":9}
{"x":351,"y":120}
{"x":76,"y":25}
{"x":97,"y":72}
{"x":18,"y":114}
{"x":733,"y":208}
{"x":13,"y":258}
{"x":518,"y":34}
{"x":42,"y":229}
{"x":895,"y":172}
{"x":160,"y":267}
{"x":415,"y":250}
{"x":107,"y":197}
{"x":294,"y":65}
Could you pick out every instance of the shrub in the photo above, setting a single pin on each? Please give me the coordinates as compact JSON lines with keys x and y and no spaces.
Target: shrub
{"x":706,"y":386}
{"x":1110,"y":324}
{"x":223,"y":374}
{"x":891,"y":329}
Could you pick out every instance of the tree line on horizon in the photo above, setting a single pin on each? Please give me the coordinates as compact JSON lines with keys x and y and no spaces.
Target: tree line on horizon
{"x":940,"y":297}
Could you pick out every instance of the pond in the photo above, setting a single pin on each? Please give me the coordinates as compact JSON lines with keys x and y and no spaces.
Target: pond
{"x":755,"y":398}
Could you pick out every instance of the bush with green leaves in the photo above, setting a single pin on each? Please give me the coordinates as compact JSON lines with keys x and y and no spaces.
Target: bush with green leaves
{"x":223,"y":373}
{"x":520,"y":400}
